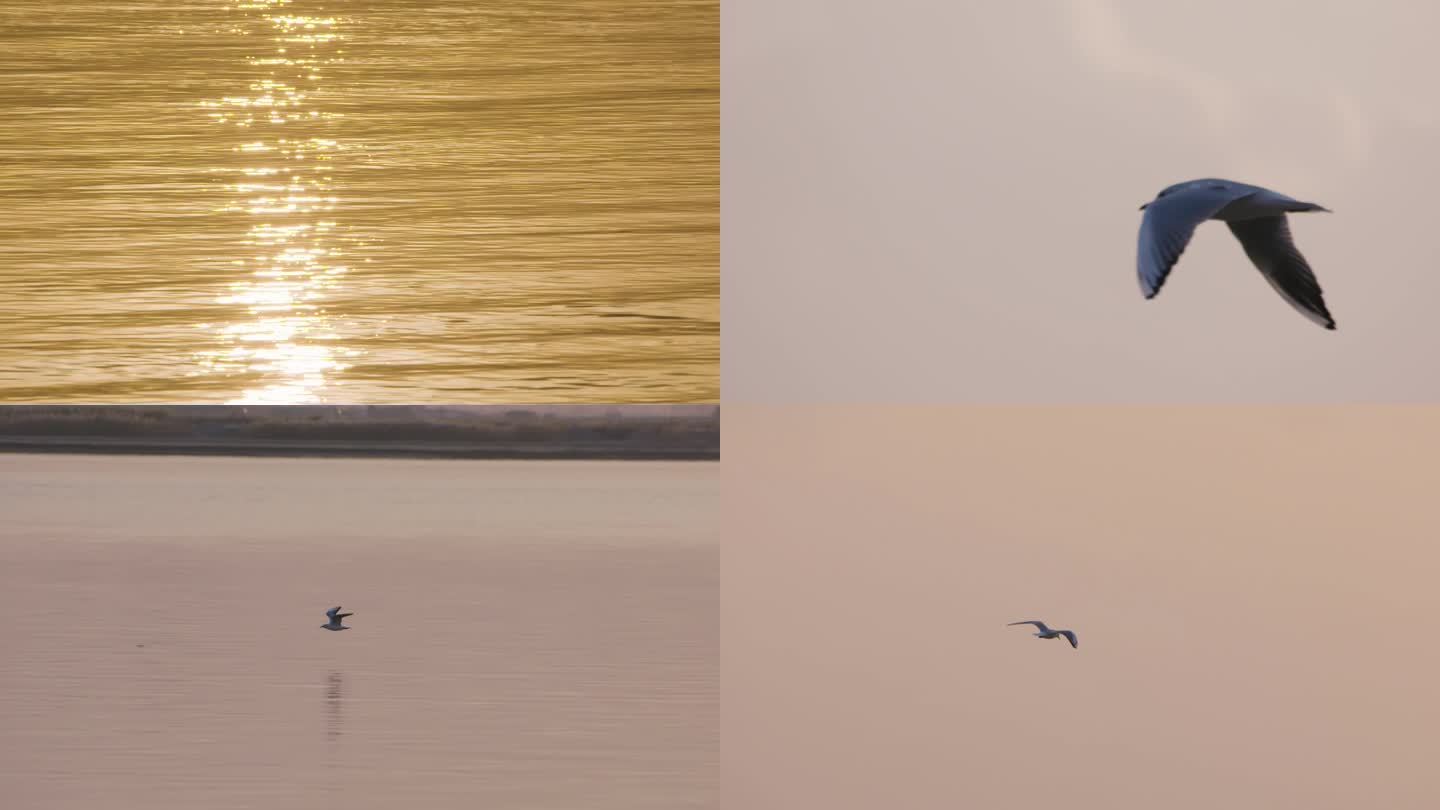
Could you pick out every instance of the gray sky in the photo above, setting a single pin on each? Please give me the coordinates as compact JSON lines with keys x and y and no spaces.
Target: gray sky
{"x":931,"y":201}
{"x":1252,"y":588}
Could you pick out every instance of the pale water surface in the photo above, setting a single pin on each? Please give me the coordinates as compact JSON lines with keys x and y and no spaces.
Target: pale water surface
{"x":368,"y":201}
{"x":526,"y":635}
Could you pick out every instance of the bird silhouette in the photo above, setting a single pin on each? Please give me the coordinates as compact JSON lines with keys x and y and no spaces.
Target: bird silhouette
{"x":335,"y":617}
{"x":1257,"y":218}
{"x":1046,"y":632}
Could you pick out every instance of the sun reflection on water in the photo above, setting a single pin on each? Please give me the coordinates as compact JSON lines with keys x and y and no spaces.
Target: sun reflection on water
{"x":283,"y":341}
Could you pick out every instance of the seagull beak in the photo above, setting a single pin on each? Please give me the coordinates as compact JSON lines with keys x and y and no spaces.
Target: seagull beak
{"x":1143,"y":207}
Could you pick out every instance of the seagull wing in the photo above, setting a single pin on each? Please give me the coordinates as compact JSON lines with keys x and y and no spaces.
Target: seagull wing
{"x":332,"y":611}
{"x":339,"y":616}
{"x":1038,"y":625}
{"x":1070,"y":634}
{"x":1268,"y":243}
{"x":1169,"y":223}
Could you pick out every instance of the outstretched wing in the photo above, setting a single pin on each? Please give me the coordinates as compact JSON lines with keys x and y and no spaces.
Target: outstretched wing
{"x":339,"y":616}
{"x":1169,"y":223}
{"x":1038,"y":625}
{"x":1268,"y":243}
{"x":1070,"y":634}
{"x":332,"y":611}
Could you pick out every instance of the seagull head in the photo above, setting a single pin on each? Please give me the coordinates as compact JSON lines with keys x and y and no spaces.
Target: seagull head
{"x":1173,"y":188}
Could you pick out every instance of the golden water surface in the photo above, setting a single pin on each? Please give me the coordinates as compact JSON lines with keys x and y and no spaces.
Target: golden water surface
{"x":294,"y":201}
{"x":525,"y":635}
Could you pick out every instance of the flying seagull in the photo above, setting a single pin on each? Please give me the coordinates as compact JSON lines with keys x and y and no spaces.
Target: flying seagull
{"x":1257,"y":218}
{"x":335,"y":617}
{"x":1046,"y":632}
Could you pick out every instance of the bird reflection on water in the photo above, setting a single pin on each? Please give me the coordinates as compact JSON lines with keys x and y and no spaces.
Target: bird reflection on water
{"x":334,"y":705}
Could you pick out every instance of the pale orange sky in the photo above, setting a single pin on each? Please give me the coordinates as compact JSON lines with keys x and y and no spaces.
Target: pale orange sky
{"x":1252,"y":588}
{"x":937,"y":201}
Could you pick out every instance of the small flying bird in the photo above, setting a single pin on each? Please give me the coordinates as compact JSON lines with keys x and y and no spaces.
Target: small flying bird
{"x":1257,"y":218}
{"x":1046,"y":632}
{"x":335,"y":617}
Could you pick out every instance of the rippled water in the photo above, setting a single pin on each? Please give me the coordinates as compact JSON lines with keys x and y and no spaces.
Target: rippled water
{"x":366,"y":201}
{"x":525,"y":635}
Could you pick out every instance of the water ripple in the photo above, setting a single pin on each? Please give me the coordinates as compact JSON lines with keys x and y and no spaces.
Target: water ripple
{"x":274,"y":201}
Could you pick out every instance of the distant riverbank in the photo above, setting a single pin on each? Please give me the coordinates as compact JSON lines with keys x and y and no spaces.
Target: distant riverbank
{"x":676,"y":433}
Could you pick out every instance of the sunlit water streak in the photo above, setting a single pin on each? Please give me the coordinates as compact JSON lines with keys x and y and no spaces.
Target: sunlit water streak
{"x":286,"y":187}
{"x":380,"y":201}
